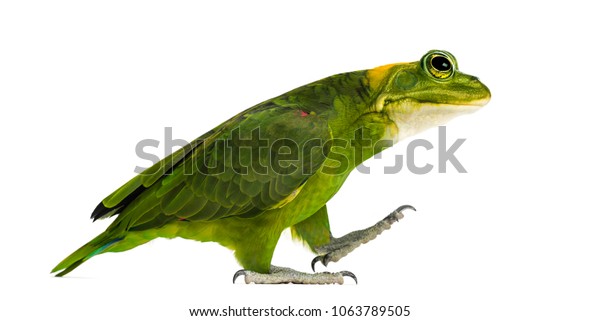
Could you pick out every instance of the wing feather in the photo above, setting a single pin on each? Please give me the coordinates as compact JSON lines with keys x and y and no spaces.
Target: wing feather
{"x":221,"y":174}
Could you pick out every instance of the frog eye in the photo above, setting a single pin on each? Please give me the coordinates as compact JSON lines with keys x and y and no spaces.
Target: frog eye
{"x":439,"y":64}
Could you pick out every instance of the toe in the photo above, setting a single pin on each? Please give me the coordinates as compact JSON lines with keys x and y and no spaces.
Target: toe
{"x":238,"y":274}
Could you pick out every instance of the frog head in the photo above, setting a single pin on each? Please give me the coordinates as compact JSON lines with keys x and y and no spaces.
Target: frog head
{"x":425,"y":93}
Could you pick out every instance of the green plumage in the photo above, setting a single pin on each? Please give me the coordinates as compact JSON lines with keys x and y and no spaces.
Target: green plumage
{"x":240,"y":184}
{"x":276,"y":165}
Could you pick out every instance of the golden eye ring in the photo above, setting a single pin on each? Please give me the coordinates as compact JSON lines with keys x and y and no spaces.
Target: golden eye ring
{"x":439,"y":64}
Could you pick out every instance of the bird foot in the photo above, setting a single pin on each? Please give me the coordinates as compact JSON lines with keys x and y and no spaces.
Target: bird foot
{"x":282,"y":275}
{"x":337,"y":248}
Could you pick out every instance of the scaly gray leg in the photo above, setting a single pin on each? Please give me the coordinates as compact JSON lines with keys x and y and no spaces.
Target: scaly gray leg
{"x":280,"y":275}
{"x":337,"y":248}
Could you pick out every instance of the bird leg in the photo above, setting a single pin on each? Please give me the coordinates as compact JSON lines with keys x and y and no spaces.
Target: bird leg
{"x":337,"y":248}
{"x":280,"y":275}
{"x":333,"y":251}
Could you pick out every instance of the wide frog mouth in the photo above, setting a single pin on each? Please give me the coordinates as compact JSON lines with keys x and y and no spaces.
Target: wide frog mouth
{"x":387,"y":102}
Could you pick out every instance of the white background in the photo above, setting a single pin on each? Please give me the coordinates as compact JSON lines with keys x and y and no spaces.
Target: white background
{"x":516,"y":238}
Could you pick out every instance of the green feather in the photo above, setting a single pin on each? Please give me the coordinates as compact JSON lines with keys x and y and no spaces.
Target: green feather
{"x":199,"y":192}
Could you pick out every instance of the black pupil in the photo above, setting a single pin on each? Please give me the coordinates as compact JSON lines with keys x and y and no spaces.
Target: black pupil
{"x":440,"y":63}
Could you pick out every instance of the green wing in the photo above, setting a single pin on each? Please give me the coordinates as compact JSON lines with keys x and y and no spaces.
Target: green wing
{"x":253,"y":162}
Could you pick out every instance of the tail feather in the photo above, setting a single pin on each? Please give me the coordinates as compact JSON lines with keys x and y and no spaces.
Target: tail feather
{"x":94,"y":247}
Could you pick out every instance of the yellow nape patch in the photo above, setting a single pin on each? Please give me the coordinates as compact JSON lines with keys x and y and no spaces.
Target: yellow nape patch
{"x":378,"y":74}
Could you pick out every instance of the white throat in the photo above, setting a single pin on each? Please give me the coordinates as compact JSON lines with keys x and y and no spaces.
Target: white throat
{"x":411,"y":119}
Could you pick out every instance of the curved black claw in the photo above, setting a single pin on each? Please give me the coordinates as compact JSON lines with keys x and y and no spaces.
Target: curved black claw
{"x":397,"y":214}
{"x":324,"y":259}
{"x":349,"y":274}
{"x":238,"y":274}
{"x":403,"y":207}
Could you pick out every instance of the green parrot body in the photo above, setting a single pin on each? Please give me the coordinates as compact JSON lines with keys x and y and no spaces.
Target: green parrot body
{"x":275,"y":165}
